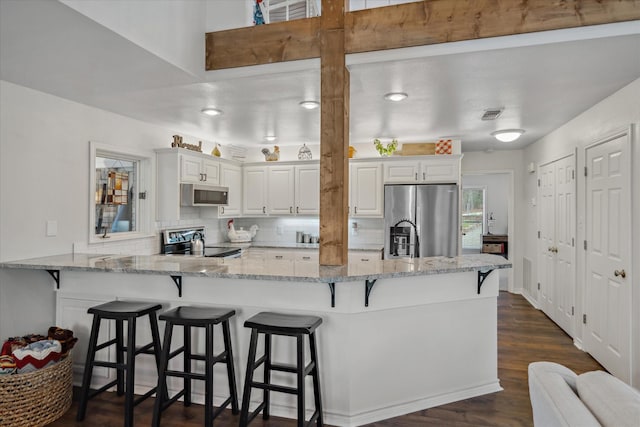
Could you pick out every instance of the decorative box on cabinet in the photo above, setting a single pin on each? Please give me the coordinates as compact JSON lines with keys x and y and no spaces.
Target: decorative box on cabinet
{"x":497,"y":244}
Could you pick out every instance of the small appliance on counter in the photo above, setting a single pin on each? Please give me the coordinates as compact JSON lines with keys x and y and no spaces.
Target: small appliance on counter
{"x":191,"y":241}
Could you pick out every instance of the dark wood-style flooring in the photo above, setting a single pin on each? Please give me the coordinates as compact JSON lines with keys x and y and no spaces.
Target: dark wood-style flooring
{"x":524,"y":335}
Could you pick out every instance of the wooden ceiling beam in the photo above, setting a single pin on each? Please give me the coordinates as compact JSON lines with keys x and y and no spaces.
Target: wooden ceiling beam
{"x":405,"y":25}
{"x":441,"y":21}
{"x":263,"y":44}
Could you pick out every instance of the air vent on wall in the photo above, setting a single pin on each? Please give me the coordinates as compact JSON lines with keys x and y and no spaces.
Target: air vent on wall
{"x":491,"y":114}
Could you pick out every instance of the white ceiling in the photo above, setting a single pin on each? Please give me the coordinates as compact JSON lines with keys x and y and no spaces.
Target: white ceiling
{"x":539,"y":83}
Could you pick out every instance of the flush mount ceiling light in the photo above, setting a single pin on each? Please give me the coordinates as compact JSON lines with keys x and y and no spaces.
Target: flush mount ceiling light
{"x":210,"y":111}
{"x":395,"y":96}
{"x":270,"y":138}
{"x":507,"y":135}
{"x":310,"y":105}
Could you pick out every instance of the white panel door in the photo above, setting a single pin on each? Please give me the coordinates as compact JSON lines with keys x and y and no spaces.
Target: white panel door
{"x":546,"y":258}
{"x":556,"y":253}
{"x":564,"y":246}
{"x":608,"y":267}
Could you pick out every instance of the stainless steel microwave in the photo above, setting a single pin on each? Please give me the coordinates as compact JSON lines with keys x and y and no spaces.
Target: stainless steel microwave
{"x":203,"y":195}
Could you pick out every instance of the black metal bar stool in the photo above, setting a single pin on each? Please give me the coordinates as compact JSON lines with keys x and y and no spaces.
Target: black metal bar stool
{"x":201,"y":317}
{"x":120,"y":311}
{"x":290,"y":325}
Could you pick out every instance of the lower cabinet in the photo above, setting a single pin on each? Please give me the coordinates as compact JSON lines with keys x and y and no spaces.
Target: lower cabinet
{"x":308,"y":255}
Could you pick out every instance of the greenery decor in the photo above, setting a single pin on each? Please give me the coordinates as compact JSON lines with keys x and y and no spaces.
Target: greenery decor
{"x":388,"y":150}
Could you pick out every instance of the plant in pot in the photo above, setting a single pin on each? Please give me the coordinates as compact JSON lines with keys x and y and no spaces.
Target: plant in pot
{"x":387,"y":150}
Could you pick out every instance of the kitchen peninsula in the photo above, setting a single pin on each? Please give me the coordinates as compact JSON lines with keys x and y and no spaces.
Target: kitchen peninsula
{"x":398,"y":335}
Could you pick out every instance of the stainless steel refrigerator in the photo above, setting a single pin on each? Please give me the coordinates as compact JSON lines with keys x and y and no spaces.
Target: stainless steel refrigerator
{"x":421,"y":220}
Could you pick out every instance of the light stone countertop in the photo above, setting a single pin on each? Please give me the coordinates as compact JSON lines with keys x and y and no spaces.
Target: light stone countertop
{"x":239,"y":268}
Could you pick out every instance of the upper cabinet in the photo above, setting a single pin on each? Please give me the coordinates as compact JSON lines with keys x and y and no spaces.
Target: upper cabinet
{"x":255,"y":190}
{"x":281,"y":185}
{"x":231,"y":177}
{"x":437,"y":169}
{"x":365,"y":195}
{"x":307,"y":189}
{"x":196,"y":169}
{"x":281,"y":189}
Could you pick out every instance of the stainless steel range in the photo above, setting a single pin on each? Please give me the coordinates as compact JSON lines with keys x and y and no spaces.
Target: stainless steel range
{"x":178,"y":241}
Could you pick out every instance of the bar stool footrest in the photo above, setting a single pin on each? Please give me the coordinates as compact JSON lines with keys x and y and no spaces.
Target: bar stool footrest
{"x":144,"y":396}
{"x":101,"y":389}
{"x":275,"y":387}
{"x":190,"y":375}
{"x":106,"y":344}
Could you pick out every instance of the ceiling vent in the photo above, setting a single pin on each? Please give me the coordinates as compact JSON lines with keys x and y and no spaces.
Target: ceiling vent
{"x":491,"y":114}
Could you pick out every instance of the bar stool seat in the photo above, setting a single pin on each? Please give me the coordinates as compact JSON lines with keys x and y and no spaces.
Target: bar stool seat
{"x":120,"y":311}
{"x":200,"y":317}
{"x":268,"y":324}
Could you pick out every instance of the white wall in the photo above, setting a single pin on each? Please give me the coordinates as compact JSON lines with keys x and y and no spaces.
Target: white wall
{"x":44,"y":175}
{"x":615,"y":113}
{"x":228,"y":14}
{"x":172,"y":30}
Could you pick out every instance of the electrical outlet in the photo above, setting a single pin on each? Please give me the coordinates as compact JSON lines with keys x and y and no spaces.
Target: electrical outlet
{"x":52,"y":228}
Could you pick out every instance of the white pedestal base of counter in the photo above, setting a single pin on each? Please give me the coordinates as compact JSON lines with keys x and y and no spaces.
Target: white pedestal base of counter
{"x":422,"y":342}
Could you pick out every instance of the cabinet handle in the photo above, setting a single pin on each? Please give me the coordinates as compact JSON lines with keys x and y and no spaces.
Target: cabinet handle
{"x":364,"y":259}
{"x":201,"y":177}
{"x":355,"y":210}
{"x":290,"y":209}
{"x":297,"y":209}
{"x":416,"y":176}
{"x":424,"y":176}
{"x":222,"y":207}
{"x":264,"y":209}
{"x":278,"y":256}
{"x":306,"y":258}
{"x":205,"y":176}
{"x":620,"y":273}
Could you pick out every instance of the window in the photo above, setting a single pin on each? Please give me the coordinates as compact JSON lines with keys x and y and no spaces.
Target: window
{"x":288,"y":10}
{"x":473,"y":203}
{"x":117,"y":210}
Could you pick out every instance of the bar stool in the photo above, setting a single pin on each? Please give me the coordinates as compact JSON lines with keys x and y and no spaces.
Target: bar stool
{"x":200,"y":317}
{"x":289,"y":325}
{"x":120,"y":311}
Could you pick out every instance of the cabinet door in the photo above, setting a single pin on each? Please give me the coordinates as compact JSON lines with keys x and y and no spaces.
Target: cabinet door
{"x":190,"y":169}
{"x":400,"y":172}
{"x":281,"y":190}
{"x":254,"y":194}
{"x":364,"y":256}
{"x":211,"y":172}
{"x":231,"y":176}
{"x":366,"y":190}
{"x":307,"y":189}
{"x":440,"y":170}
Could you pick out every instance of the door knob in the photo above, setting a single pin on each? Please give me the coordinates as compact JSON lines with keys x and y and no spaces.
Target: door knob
{"x":620,"y":273}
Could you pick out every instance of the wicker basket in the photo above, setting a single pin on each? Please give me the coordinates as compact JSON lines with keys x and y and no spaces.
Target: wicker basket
{"x":36,"y":398}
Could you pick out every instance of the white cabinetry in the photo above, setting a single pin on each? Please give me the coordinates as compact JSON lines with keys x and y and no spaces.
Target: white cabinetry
{"x":282,"y":190}
{"x":196,"y":169}
{"x":366,"y":193}
{"x":231,"y":177}
{"x":255,"y":190}
{"x":437,"y":169}
{"x":364,"y":256}
{"x":281,"y":199}
{"x":175,"y":166}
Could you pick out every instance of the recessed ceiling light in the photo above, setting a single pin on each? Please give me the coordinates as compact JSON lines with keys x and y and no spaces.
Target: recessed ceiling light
{"x":507,"y":135}
{"x":210,"y":111}
{"x":395,"y":96}
{"x":270,"y":138}
{"x":310,"y":105}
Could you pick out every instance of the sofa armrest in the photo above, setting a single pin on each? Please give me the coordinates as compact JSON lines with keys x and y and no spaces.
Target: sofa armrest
{"x":552,"y":388}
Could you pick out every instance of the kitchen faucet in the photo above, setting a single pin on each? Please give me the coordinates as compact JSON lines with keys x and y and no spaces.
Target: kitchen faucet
{"x":416,"y":252}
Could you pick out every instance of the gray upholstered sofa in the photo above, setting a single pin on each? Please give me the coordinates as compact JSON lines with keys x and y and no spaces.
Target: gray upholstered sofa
{"x":559,"y":397}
